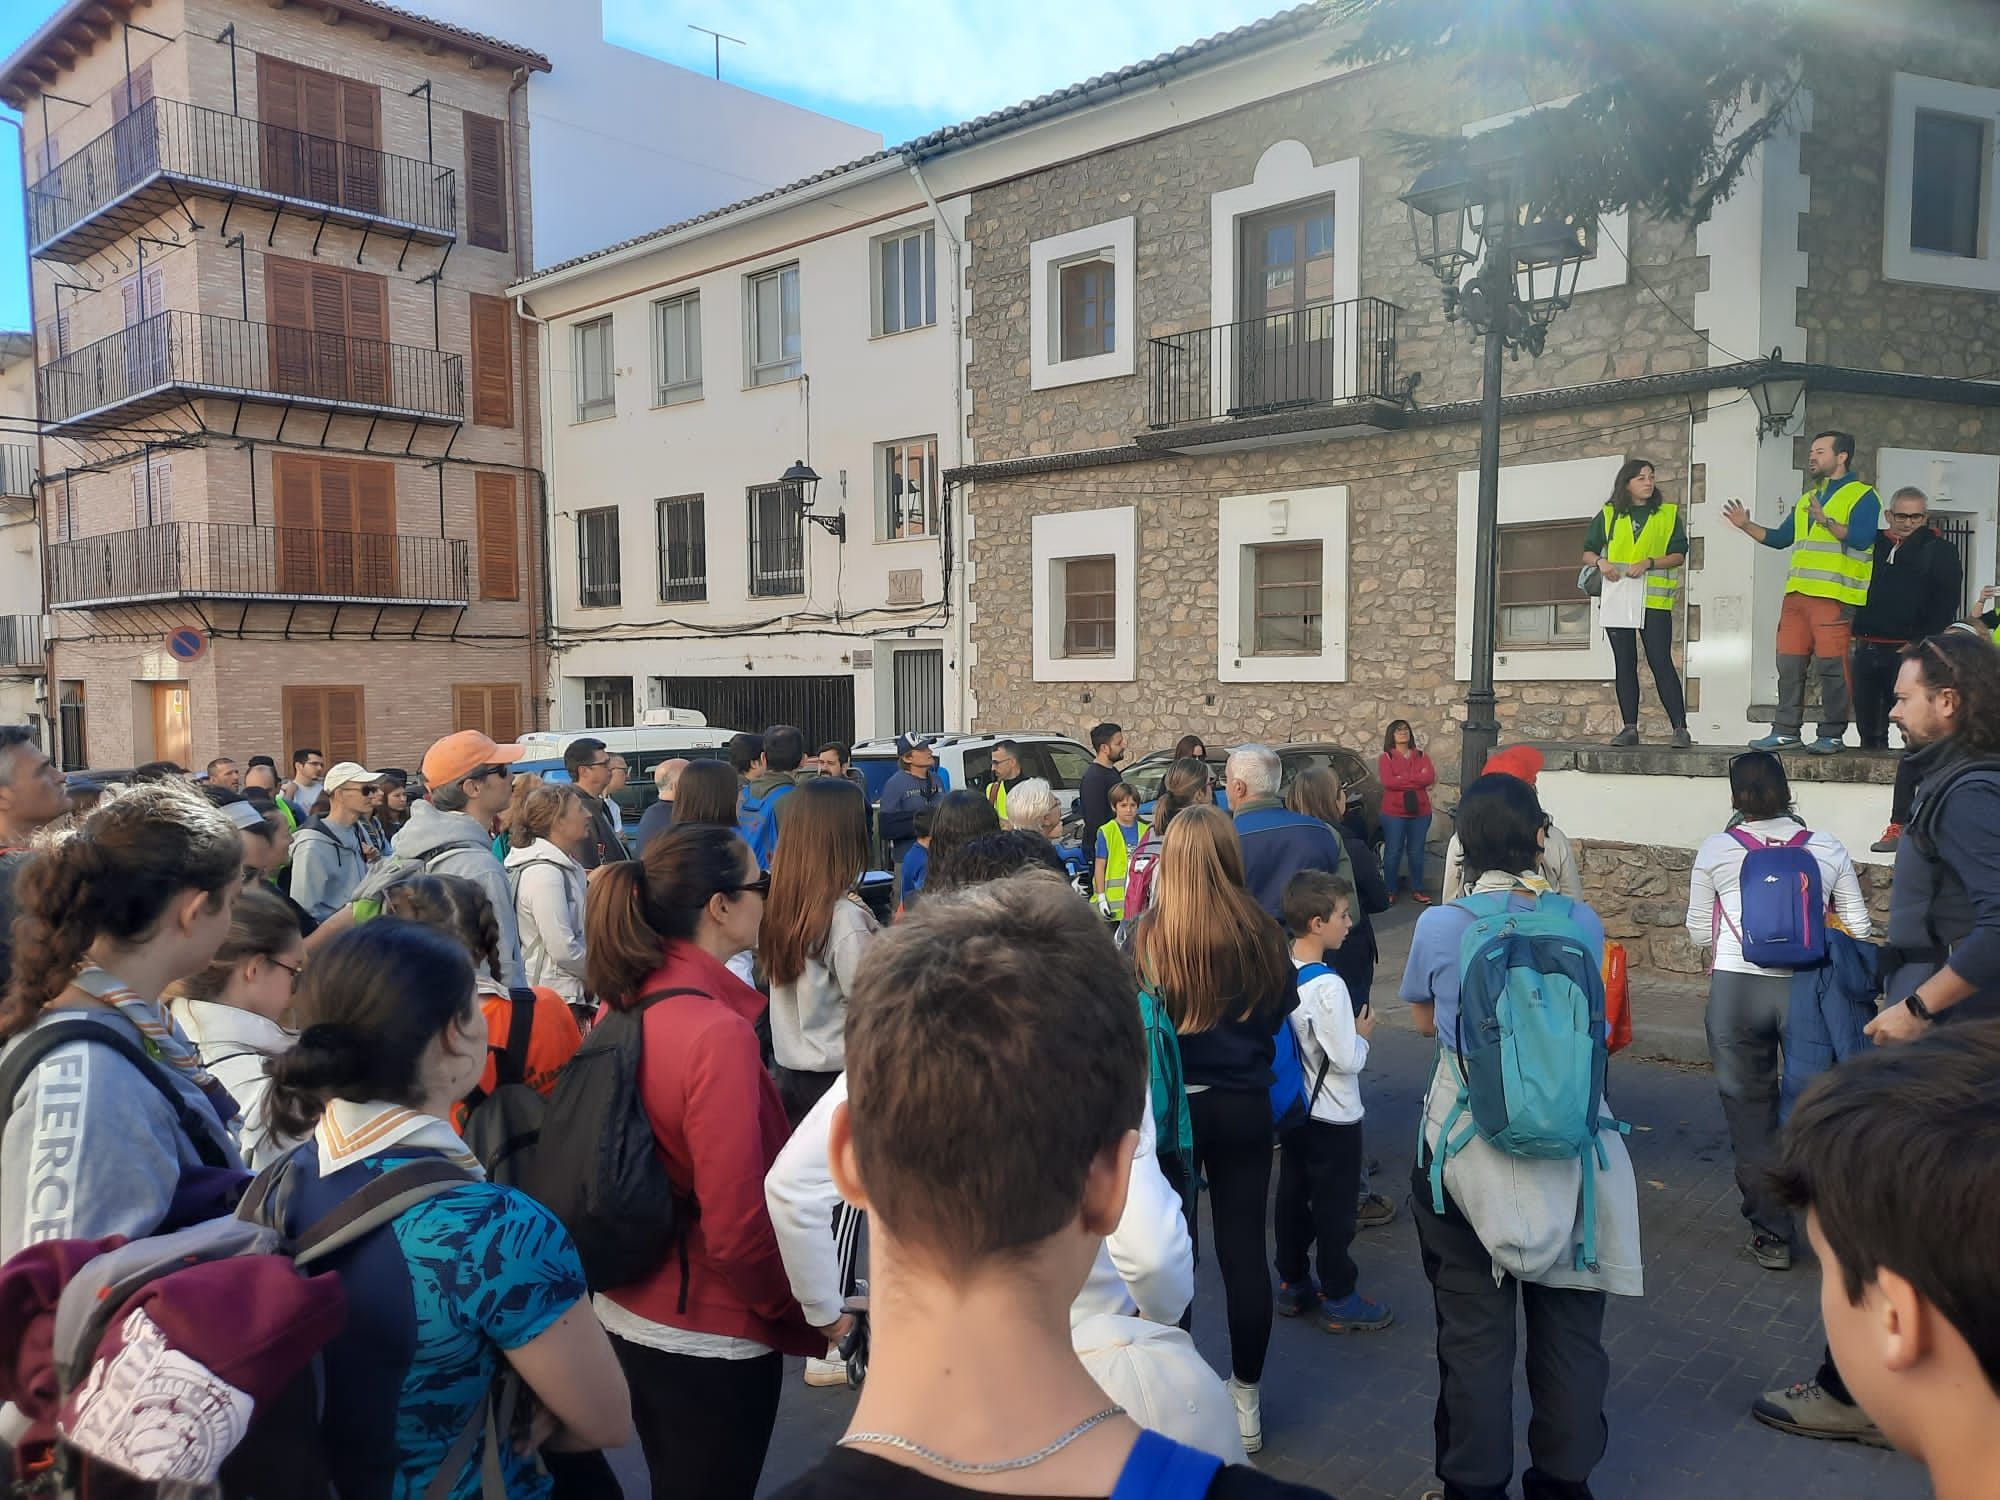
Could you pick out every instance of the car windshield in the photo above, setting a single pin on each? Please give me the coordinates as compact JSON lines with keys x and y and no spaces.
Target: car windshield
{"x":1146,"y":777}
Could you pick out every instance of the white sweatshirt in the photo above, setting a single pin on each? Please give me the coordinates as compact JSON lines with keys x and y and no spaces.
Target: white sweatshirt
{"x":549,"y":891}
{"x":1324,"y":1025}
{"x":234,"y":1045}
{"x":1147,"y":1261}
{"x":1718,"y":865}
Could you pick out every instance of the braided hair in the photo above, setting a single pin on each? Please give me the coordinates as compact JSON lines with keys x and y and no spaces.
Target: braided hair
{"x":453,"y":905}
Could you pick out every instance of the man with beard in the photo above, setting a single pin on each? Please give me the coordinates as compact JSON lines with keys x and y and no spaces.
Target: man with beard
{"x":1093,"y":799}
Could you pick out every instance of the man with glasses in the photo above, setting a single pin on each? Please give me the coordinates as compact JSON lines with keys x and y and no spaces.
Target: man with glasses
{"x":1914,"y":593}
{"x":589,"y":766}
{"x":452,"y":833}
{"x":330,"y":854}
{"x":1007,"y":775}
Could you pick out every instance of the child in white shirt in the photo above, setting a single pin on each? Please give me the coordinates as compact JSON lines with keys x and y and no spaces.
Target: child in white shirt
{"x":1319,"y":1171}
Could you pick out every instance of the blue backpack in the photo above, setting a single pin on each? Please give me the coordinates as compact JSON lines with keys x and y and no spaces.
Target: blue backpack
{"x":757,"y":818}
{"x":1784,"y":908}
{"x":1530,"y":1047}
{"x":1291,"y":1105}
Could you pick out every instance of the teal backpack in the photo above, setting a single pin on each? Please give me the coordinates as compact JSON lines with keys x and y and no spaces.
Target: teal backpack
{"x":1530,"y":1049}
{"x":1173,"y":1131}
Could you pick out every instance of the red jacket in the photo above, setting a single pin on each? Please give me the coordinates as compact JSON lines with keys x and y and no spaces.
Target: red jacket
{"x":1405,"y":773}
{"x":719,"y":1127}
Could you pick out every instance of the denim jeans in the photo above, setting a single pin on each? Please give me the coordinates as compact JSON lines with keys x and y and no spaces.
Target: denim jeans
{"x":1403,"y":837}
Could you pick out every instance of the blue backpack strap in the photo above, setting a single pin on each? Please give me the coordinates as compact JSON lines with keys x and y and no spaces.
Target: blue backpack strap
{"x":1315,"y":970}
{"x":1158,"y":1468}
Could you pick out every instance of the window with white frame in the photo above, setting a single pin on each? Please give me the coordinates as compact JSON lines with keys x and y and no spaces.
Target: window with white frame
{"x":1080,"y":291}
{"x":906,"y":281}
{"x":777,"y":540}
{"x":597,"y":574}
{"x":677,"y":349}
{"x":771,"y":310}
{"x":1085,"y":595}
{"x":594,"y":384}
{"x":1285,"y":594}
{"x":683,"y":523}
{"x":1942,"y":217}
{"x":1281,"y":586}
{"x":1089,"y":606}
{"x":1535,"y":586}
{"x":907,"y":483}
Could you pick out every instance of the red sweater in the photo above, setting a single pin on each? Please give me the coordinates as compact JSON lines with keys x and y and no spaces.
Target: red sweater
{"x":1405,"y":773}
{"x":719,"y":1127}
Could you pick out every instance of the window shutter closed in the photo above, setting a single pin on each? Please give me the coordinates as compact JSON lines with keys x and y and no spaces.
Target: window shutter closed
{"x":493,"y":709}
{"x":288,"y":306}
{"x":499,"y":538}
{"x":361,"y":138}
{"x":343,"y":724}
{"x":330,"y":719}
{"x":492,"y":362}
{"x":305,"y":720}
{"x":485,"y":182}
{"x":295,"y":481}
{"x":367,"y":327}
{"x":504,"y":713}
{"x":375,"y":528}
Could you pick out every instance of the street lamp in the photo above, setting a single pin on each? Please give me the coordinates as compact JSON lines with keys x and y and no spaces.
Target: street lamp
{"x":1776,"y":398}
{"x":1528,"y":275}
{"x":801,"y":477}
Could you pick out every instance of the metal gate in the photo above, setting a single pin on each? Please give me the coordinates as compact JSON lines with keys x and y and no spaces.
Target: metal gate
{"x":1960,"y":529}
{"x":821,"y":706}
{"x":919,"y":691}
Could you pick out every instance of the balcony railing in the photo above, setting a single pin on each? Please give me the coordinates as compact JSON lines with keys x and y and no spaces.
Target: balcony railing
{"x":1315,"y":356}
{"x":218,"y":560}
{"x":155,"y":361}
{"x":21,"y":643}
{"x":17,"y":471}
{"x":111,"y":185}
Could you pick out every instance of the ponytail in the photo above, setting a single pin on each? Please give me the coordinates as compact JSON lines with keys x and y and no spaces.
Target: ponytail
{"x":636,"y":907}
{"x":620,"y":948}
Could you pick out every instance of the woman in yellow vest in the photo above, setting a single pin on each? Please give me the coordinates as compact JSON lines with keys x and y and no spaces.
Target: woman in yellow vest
{"x":1639,"y":534}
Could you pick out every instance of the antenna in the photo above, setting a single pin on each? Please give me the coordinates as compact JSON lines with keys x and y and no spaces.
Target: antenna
{"x":720,"y":38}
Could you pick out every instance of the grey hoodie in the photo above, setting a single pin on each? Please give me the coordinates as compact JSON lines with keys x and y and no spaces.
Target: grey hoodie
{"x":327,"y":867}
{"x":454,"y":843}
{"x":88,"y":1149}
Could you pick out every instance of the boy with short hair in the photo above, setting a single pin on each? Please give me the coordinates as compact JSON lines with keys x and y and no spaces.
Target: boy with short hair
{"x":996,"y":1065}
{"x":1319,"y":1169}
{"x":1895,"y":1159}
{"x":916,"y":865}
{"x":1115,"y":842}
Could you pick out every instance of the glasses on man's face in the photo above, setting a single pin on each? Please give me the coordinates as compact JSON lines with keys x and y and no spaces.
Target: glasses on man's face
{"x":1909,"y":517}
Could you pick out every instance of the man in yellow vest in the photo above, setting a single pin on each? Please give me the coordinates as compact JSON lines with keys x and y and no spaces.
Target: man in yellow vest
{"x":1831,"y":534}
{"x":1006,"y":774}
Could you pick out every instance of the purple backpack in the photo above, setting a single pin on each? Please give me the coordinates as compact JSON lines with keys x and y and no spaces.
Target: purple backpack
{"x":1784,"y":909}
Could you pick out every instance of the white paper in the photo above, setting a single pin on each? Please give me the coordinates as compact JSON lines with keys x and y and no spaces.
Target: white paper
{"x":1623,"y":605}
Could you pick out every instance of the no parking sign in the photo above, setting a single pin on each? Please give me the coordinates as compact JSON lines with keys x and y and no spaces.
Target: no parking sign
{"x":186,"y":644}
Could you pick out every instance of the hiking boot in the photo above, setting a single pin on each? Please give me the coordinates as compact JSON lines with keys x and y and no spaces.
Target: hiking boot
{"x":1683,"y":740}
{"x":1891,"y":837}
{"x":1296,"y":1297}
{"x":1625,"y":738}
{"x":1249,"y":1414}
{"x":830,"y":1371}
{"x":1372,"y":1210}
{"x":1826,"y":745}
{"x":1770,"y":1252}
{"x":1777,"y":741}
{"x":1353,"y":1313}
{"x":1806,"y":1410}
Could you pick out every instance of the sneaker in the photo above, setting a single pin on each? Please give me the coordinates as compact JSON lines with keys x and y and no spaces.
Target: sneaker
{"x":1683,"y":740}
{"x":1825,"y":745}
{"x":1353,"y":1313}
{"x":1779,"y":741}
{"x":1770,"y":1252}
{"x":1294,"y":1297}
{"x":1891,"y":837}
{"x":1625,"y":737}
{"x":830,"y":1371}
{"x":1422,"y":898}
{"x":1806,"y":1410}
{"x":1394,"y":897}
{"x":1249,"y":1414}
{"x":1372,"y":1210}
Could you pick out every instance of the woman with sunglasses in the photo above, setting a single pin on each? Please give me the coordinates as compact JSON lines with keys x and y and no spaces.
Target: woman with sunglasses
{"x":702,"y":1338}
{"x":237,"y":1011}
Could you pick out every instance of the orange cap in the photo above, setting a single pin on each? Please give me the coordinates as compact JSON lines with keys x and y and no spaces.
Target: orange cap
{"x":458,"y":755}
{"x":1522,"y":762}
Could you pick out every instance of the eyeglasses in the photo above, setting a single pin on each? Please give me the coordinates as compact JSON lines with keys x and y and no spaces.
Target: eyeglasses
{"x":295,"y":970}
{"x":761,"y":885}
{"x":1910,"y":517}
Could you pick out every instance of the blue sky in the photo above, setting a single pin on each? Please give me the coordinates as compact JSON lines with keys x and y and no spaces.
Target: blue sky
{"x":901,"y":67}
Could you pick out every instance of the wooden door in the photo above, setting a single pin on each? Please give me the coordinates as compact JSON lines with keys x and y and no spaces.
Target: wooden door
{"x":322,"y":135}
{"x":328,"y":331}
{"x":145,"y":330}
{"x":173,"y":723}
{"x":336,"y":527}
{"x":135,"y":139}
{"x":1286,"y":339}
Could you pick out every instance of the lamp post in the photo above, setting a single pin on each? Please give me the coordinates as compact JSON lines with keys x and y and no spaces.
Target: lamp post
{"x":801,"y":477}
{"x":1527,"y":275}
{"x":1776,"y":396}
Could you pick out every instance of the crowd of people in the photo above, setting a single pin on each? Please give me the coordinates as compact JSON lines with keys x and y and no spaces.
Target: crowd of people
{"x":594,"y":1140}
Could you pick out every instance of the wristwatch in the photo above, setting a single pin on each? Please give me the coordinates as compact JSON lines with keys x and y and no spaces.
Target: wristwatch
{"x":1913,"y":1003}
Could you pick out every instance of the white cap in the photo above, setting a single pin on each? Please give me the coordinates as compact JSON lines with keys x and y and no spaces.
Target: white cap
{"x":346,"y":773}
{"x":1154,"y":1371}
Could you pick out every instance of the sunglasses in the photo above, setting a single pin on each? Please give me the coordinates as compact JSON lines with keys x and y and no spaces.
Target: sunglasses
{"x":761,"y":885}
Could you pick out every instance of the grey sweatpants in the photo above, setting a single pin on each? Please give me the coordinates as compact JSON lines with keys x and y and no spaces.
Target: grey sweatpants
{"x":1746,"y":1038}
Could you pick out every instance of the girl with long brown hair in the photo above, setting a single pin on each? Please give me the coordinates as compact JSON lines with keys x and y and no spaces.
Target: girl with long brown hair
{"x":815,"y":931}
{"x":1188,"y":783}
{"x":1220,"y":966}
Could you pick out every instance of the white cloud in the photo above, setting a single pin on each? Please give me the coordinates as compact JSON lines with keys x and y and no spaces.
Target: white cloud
{"x":954,"y":59}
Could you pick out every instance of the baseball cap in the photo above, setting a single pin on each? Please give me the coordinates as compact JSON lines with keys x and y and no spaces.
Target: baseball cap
{"x":346,"y":773}
{"x":458,"y":755}
{"x":905,"y":743}
{"x":1154,"y":1371}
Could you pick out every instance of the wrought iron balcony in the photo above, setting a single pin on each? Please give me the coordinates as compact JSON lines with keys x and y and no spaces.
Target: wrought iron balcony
{"x":172,"y":355}
{"x":165,"y":148}
{"x":1320,"y":356}
{"x":220,"y":560}
{"x":21,"y":644}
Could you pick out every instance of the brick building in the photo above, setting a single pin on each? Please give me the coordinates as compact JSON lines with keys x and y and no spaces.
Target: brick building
{"x":287,"y":487}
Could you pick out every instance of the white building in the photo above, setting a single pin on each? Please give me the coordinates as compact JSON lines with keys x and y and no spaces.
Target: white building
{"x":623,"y":143}
{"x":23,"y":677}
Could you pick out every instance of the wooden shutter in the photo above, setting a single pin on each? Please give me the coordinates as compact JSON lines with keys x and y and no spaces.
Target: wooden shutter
{"x":295,"y":482}
{"x":304,"y":715}
{"x":499,"y":538}
{"x":361,"y":138}
{"x":377,"y":564}
{"x":328,"y":301}
{"x":368,"y":328}
{"x":319,"y":110}
{"x":329,"y":719}
{"x":278,"y":107}
{"x":485,"y":182}
{"x":336,"y":526}
{"x":492,"y":362}
{"x":288,"y":309}
{"x":494,"y":709}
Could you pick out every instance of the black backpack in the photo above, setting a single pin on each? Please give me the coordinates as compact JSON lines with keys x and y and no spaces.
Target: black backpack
{"x":504,"y":1124}
{"x":33,"y":1046}
{"x":596,"y":1166}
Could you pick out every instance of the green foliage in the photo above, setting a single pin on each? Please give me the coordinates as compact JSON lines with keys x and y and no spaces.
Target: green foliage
{"x":1672,"y":97}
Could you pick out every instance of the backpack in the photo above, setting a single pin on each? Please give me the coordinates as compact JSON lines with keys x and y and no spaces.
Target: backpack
{"x":1530,"y":1050}
{"x":385,"y":872}
{"x":596,"y":1166}
{"x":1158,"y":1468}
{"x":132,"y":1405}
{"x":29,"y":1051}
{"x":1947,"y":915}
{"x":1291,"y":1105}
{"x":757,"y":818}
{"x":1784,"y":909}
{"x":503,"y":1123}
{"x":1173,"y":1129}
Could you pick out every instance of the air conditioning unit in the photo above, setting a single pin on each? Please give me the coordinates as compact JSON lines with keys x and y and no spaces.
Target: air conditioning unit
{"x":672,"y":718}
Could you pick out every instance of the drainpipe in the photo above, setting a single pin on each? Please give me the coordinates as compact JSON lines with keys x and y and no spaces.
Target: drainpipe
{"x":961,"y":640}
{"x":540,"y":662}
{"x":545,"y":519}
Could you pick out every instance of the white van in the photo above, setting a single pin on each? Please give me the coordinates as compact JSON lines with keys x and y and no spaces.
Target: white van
{"x":661,"y":734}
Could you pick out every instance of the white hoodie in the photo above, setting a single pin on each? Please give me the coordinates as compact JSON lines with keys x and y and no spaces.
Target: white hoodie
{"x":549,"y":888}
{"x":234,"y":1045}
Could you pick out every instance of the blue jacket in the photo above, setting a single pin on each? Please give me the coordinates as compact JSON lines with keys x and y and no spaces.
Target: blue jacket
{"x":1277,"y":844}
{"x":903,"y":797}
{"x":1831,"y":1004}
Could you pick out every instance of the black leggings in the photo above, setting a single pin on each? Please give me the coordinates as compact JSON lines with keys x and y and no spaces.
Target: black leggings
{"x":1232,"y":1151}
{"x":1659,"y":634}
{"x":705,"y":1424}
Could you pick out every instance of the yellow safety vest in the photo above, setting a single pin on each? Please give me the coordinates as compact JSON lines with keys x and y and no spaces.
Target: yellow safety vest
{"x":1823,"y":566}
{"x":1638,"y":543}
{"x":1117,"y":859}
{"x":996,"y":793}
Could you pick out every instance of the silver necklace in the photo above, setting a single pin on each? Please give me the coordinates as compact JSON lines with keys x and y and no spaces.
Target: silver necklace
{"x":1004,"y":1466}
